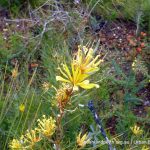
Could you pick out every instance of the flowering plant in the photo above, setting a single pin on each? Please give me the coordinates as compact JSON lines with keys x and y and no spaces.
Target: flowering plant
{"x":73,"y":76}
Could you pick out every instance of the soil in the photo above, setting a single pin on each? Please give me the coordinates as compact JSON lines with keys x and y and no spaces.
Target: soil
{"x":111,"y":125}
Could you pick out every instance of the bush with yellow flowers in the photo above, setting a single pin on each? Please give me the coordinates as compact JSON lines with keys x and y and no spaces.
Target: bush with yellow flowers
{"x":73,"y":76}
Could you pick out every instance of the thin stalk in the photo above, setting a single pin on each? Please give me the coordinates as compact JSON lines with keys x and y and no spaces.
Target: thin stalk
{"x":28,"y":112}
{"x":9,"y":132}
{"x":25,"y":99}
{"x":6,"y":100}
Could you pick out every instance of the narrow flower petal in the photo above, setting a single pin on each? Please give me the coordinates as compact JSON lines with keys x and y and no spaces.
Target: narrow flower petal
{"x":59,"y":78}
{"x":86,"y":85}
{"x":66,"y":69}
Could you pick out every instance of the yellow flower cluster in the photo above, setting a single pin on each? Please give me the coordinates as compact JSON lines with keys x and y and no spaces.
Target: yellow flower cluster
{"x":82,"y":66}
{"x":21,"y":108}
{"x":85,"y":60}
{"x":15,"y":144}
{"x":145,"y":148}
{"x":26,"y":141}
{"x":46,"y":127}
{"x":136,"y":130}
{"x":82,"y":140}
{"x":30,"y":138}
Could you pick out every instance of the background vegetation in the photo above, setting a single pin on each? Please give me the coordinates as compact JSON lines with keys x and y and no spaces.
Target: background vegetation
{"x":36,"y":36}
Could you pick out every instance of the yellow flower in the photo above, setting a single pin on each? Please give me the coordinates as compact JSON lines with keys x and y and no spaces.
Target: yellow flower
{"x":82,"y":66}
{"x":30,"y":138}
{"x":15,"y":145}
{"x":85,"y":60}
{"x":133,"y":64}
{"x":75,"y":77}
{"x":46,"y":126}
{"x":145,"y":148}
{"x":82,"y":140}
{"x":14,"y":72}
{"x":22,"y":108}
{"x":136,"y":130}
{"x":46,"y":86}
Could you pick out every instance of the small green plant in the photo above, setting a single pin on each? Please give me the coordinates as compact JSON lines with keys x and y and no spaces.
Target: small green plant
{"x":129,"y":84}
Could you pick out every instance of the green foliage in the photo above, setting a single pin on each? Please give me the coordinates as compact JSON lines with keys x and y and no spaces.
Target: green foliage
{"x":128,"y":83}
{"x":125,"y":120}
{"x":102,"y":93}
{"x":135,"y":10}
{"x":10,"y":48}
{"x":37,"y":3}
{"x":18,"y":7}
